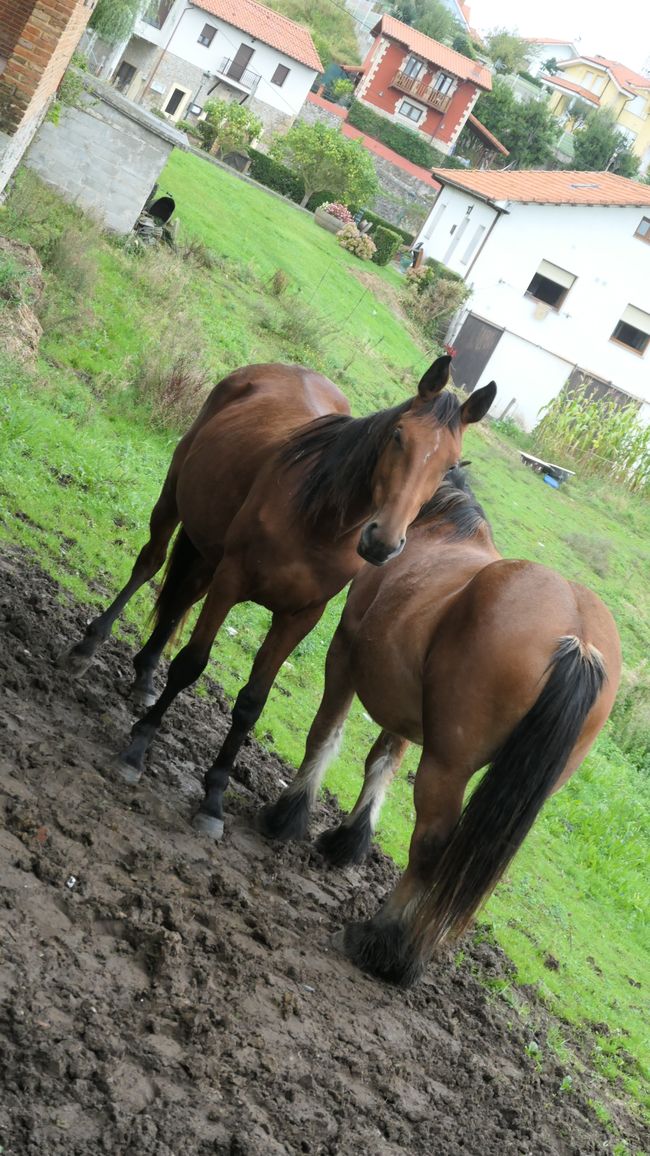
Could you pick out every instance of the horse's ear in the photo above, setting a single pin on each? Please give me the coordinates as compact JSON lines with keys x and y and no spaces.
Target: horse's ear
{"x":477,"y":404}
{"x":435,"y":378}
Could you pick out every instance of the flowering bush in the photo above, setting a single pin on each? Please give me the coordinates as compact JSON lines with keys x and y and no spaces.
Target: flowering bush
{"x":355,"y":242}
{"x":336,"y":209}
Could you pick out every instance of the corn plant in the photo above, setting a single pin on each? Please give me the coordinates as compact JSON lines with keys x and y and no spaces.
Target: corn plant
{"x":599,"y":435}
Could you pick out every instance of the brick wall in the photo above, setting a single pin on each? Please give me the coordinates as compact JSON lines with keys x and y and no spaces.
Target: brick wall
{"x":43,"y":46}
{"x":13,"y":17}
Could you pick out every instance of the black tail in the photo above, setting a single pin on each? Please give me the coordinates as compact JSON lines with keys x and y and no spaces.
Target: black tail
{"x":505,"y":805}
{"x":181,"y":558}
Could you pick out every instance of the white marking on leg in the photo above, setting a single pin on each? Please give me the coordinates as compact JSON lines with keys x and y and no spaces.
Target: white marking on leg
{"x":377,"y":781}
{"x":310,"y":775}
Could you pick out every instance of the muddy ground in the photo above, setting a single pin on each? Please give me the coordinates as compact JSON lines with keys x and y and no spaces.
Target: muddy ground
{"x":183,"y":998}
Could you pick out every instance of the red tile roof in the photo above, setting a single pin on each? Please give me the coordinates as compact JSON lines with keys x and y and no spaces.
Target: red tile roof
{"x":487,"y":135}
{"x":268,"y":26}
{"x":563,"y":82}
{"x":536,"y":186}
{"x":452,"y":62}
{"x":625,"y":77}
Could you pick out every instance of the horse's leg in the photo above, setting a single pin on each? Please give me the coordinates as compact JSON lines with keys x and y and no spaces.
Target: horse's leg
{"x":224,"y":593}
{"x":351,"y":840}
{"x":163,"y":521}
{"x":287,"y":630}
{"x":288,"y":817}
{"x":171,"y":613}
{"x":384,"y":945}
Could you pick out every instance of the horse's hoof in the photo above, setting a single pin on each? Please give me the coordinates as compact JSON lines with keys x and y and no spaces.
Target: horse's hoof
{"x":127,"y":772}
{"x":337,"y":941}
{"x":143,"y":700}
{"x":74,"y":663}
{"x":208,"y":825}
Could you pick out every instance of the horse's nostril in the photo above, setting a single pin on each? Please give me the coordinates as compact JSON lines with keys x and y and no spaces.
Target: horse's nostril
{"x":372,"y":526}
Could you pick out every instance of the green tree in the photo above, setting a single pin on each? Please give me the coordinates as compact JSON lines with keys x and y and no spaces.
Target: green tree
{"x":462,"y":43}
{"x":429,"y":16}
{"x":508,"y":51}
{"x":228,"y":126}
{"x":528,"y":130}
{"x":113,"y":20}
{"x":550,"y":66}
{"x":599,"y":145}
{"x":327,"y":161}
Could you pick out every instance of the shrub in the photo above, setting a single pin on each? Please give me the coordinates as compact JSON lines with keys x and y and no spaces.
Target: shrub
{"x":375,"y":220}
{"x":431,"y":298}
{"x":336,"y":209}
{"x":355,"y":242}
{"x":404,"y":141}
{"x":173,"y":392}
{"x":318,"y":199}
{"x":275,"y":176}
{"x":386,"y":244}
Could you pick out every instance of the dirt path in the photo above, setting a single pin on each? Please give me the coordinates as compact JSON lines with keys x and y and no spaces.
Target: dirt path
{"x":182,"y":999}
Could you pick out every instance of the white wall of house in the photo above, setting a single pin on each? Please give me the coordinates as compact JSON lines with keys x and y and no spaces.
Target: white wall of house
{"x":597,"y":245}
{"x":179,"y":37}
{"x":540,"y":53}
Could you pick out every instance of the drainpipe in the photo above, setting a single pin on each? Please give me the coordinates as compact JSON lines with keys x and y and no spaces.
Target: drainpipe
{"x":162,"y":54}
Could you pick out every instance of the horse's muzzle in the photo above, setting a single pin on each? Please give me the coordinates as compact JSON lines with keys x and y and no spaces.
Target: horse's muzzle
{"x":372,"y":549}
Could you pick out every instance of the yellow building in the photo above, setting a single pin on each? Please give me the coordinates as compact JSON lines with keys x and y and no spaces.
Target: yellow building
{"x":590,"y":82}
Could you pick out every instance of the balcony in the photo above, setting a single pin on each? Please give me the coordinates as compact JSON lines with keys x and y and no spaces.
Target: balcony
{"x":237,"y":76}
{"x":421,"y":90}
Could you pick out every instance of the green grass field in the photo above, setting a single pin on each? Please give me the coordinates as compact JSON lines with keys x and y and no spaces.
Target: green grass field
{"x":84,"y":448}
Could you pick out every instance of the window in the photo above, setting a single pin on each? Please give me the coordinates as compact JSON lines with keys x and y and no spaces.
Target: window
{"x":550,"y":284}
{"x":174,"y":100}
{"x":443,"y":83}
{"x":633,"y":330}
{"x":157,"y":12}
{"x":280,"y":75}
{"x":636,"y":106}
{"x":411,"y":111}
{"x":643,"y":229}
{"x":588,"y":80}
{"x":412,"y":66}
{"x":628,"y":136}
{"x":208,"y":34}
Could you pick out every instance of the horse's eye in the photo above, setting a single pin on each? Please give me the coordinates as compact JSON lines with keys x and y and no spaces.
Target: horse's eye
{"x":397,"y":436}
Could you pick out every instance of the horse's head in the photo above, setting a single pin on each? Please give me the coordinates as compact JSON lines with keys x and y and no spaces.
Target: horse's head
{"x":424,"y":443}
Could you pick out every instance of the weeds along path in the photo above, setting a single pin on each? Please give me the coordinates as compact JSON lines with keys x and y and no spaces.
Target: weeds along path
{"x":165,"y":997}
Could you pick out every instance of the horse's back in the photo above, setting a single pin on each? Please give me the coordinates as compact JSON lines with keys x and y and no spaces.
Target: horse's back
{"x":241,"y":424}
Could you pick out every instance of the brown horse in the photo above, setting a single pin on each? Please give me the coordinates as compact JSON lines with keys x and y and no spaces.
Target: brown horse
{"x":479,"y":660}
{"x":281,"y":495}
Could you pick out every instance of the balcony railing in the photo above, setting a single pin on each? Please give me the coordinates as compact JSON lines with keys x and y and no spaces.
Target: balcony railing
{"x":240,"y":76}
{"x":421,"y":90}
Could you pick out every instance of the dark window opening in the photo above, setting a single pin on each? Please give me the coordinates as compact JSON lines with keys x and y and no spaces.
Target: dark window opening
{"x":643,"y":230}
{"x":629,"y":335}
{"x":280,"y":75}
{"x":174,"y":101}
{"x":208,"y":34}
{"x":443,"y":83}
{"x":543,"y":289}
{"x":413,"y":67}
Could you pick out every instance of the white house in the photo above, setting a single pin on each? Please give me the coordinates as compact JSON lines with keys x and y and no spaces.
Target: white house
{"x":184,"y":52}
{"x":540,"y":51}
{"x":559,"y":268}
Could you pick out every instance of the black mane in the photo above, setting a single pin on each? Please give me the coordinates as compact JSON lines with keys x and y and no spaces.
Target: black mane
{"x":343,"y":453}
{"x":454,"y":504}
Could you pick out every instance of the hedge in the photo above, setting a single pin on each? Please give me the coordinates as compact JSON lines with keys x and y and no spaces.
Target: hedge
{"x":377,"y":221}
{"x":387,"y":242}
{"x":404,"y":141}
{"x":275,"y":176}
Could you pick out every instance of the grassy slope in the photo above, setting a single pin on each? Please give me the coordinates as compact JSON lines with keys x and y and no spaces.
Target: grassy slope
{"x":331,"y":26}
{"x":82,"y":468}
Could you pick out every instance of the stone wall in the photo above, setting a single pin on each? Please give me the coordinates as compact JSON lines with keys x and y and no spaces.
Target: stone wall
{"x":105,"y":156}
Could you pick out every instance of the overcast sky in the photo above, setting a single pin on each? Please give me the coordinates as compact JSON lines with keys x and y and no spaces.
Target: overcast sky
{"x":620,"y":31}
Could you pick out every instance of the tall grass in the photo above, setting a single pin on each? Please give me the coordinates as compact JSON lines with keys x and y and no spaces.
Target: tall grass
{"x":600,"y":435}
